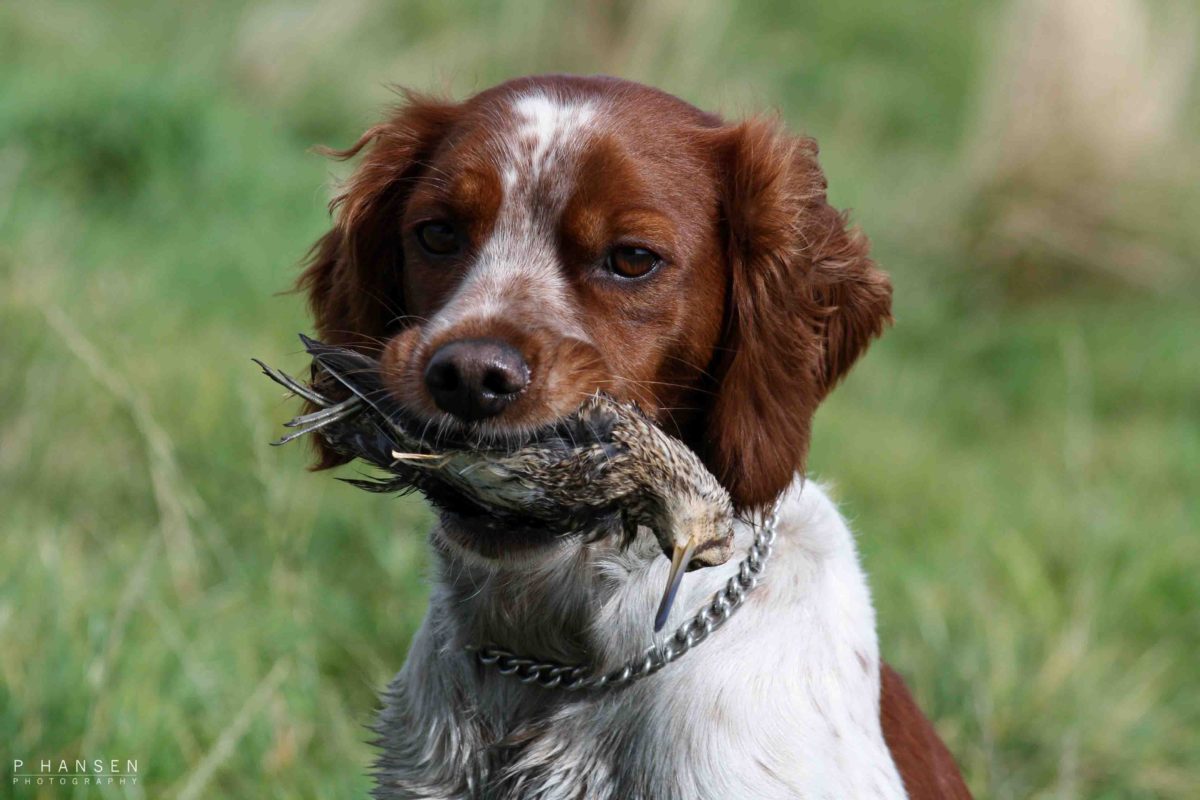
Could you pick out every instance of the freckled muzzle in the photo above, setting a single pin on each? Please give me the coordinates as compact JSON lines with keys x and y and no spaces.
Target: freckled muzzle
{"x":503,"y":376}
{"x":605,"y":459}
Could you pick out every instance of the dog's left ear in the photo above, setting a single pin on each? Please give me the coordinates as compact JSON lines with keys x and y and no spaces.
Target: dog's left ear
{"x":803,"y":302}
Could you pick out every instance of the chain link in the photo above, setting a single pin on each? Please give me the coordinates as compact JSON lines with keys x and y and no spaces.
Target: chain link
{"x":580,"y":677}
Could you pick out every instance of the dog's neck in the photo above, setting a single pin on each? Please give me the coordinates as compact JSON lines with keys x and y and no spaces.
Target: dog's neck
{"x":580,"y":601}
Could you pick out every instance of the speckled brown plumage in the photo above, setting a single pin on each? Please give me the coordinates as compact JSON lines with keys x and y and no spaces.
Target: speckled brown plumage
{"x":605,"y":462}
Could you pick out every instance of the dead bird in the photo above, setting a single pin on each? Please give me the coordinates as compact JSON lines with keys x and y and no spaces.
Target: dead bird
{"x":607,"y":461}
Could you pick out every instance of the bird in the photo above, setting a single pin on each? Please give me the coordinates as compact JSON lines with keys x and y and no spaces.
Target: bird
{"x":606,"y":460}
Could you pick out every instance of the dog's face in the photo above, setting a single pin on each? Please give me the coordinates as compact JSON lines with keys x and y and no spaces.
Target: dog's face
{"x":546,"y":253}
{"x":557,"y":236}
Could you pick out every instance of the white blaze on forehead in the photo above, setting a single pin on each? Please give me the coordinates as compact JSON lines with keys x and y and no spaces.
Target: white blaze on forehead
{"x":519,"y":261}
{"x":551,"y":126}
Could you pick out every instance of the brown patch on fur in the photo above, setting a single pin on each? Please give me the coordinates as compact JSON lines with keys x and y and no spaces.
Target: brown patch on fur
{"x":925,"y":765}
{"x":658,"y":333}
{"x":805,"y":300}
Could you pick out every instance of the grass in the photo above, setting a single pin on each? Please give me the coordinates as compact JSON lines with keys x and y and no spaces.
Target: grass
{"x":1022,"y":476}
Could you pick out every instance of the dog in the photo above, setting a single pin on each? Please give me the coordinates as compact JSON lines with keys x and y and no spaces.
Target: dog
{"x":507,"y":257}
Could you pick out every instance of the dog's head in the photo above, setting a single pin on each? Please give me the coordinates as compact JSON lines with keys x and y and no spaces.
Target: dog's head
{"x":553,"y":236}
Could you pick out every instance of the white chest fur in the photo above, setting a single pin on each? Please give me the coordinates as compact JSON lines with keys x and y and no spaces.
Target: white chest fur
{"x":782,"y":702}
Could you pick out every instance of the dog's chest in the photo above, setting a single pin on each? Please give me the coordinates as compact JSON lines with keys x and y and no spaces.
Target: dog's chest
{"x":782,"y":702}
{"x":772,"y":735}
{"x":666,"y":743}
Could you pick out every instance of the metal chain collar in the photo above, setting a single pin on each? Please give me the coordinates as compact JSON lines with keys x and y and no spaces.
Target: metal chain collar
{"x":579,"y":677}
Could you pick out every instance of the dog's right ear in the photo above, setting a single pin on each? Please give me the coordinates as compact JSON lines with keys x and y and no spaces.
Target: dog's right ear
{"x":353,"y":275}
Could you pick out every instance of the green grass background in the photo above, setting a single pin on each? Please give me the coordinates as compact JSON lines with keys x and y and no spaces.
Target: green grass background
{"x":1022,"y":476}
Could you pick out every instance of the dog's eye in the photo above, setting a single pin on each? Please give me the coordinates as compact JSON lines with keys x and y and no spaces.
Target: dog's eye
{"x":632,"y":262}
{"x":439,"y":238}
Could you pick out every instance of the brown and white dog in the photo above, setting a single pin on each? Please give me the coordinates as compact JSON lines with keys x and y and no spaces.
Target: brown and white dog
{"x":512,"y":254}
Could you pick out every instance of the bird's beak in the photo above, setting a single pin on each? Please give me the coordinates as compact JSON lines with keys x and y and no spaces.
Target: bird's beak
{"x":679,"y":562}
{"x":398,"y":457}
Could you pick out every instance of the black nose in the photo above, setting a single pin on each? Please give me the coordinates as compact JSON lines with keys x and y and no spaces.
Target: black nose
{"x":474,"y":379}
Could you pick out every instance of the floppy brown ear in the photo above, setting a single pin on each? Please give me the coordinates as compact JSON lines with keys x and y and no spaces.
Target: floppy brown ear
{"x":804,"y":301}
{"x":353,"y":276}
